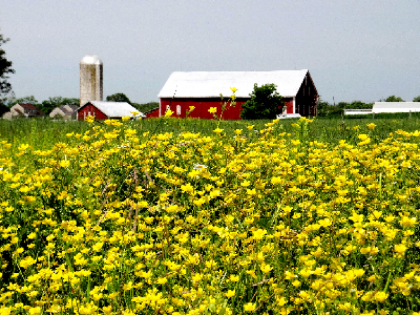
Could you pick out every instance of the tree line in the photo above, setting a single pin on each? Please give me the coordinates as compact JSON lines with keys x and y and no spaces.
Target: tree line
{"x":326,"y":109}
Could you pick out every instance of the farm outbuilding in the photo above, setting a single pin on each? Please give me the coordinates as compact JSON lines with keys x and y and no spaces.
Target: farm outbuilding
{"x":68,"y":112}
{"x":203,"y":89}
{"x":23,"y":111}
{"x":396,"y":107}
{"x":107,"y":110}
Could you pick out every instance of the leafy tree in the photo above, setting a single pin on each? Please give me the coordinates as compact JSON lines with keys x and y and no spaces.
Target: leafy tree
{"x":118,"y":97}
{"x":146,"y":107}
{"x":47,"y":106}
{"x":416,"y":99}
{"x":394,"y":98}
{"x":342,"y":105}
{"x":322,"y":107}
{"x":359,"y":105}
{"x":3,"y":109}
{"x":25,"y":100}
{"x":326,"y":109}
{"x":5,"y":68}
{"x":265,"y":103}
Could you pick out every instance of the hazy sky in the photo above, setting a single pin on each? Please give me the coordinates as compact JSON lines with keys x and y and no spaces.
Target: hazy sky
{"x":354,"y":50}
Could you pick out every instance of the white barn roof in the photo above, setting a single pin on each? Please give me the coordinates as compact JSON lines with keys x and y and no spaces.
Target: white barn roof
{"x":396,"y":107}
{"x":114,"y":109}
{"x":211,"y":84}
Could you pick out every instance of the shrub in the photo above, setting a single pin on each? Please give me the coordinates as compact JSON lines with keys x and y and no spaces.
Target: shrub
{"x":394,"y":98}
{"x":265,"y":103}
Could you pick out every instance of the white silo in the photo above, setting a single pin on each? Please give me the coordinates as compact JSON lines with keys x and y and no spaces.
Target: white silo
{"x":91,"y":79}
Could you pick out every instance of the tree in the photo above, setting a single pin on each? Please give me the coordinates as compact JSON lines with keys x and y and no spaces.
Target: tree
{"x":416,"y":99}
{"x":47,"y":106}
{"x":394,"y":98}
{"x":342,"y":105}
{"x":5,"y":68}
{"x":146,"y":107}
{"x":25,"y":100}
{"x":359,"y":105}
{"x":3,"y":109}
{"x":118,"y":97}
{"x":265,"y":103}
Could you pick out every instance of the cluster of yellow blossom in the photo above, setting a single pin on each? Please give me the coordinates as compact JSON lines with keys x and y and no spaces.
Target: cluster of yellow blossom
{"x":116,"y":221}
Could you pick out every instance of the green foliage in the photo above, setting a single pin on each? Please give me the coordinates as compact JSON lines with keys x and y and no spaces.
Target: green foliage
{"x":359,"y":105}
{"x":265,"y":103}
{"x":342,"y":105}
{"x":118,"y":97}
{"x":3,"y":109}
{"x":47,"y":106}
{"x":326,"y":109}
{"x":5,"y":68}
{"x":416,"y":99}
{"x":146,"y":107}
{"x":25,"y":100}
{"x":394,"y":98}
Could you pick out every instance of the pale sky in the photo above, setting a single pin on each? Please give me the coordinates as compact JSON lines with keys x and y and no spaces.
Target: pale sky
{"x":354,"y":50}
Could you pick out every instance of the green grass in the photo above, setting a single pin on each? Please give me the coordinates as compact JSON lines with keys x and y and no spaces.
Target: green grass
{"x":42,"y":133}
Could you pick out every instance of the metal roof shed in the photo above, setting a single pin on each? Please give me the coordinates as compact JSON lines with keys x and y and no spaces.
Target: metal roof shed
{"x":396,"y":107}
{"x":106,"y":110}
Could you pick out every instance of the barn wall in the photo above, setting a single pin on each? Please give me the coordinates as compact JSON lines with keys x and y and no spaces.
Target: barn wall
{"x":153,"y":114}
{"x":91,"y":110}
{"x":202,"y":106}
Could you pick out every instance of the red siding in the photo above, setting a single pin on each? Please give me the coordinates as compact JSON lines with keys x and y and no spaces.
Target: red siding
{"x":288,"y":102}
{"x":202,"y":106}
{"x":91,"y":110}
{"x":153,"y":114}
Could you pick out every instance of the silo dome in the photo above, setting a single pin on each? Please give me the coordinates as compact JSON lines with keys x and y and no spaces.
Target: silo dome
{"x":91,"y":60}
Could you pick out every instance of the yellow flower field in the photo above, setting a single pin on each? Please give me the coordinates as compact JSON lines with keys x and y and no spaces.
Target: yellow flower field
{"x":115,"y":221}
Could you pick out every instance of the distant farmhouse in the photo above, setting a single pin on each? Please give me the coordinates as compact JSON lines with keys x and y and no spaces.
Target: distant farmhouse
{"x":203,"y":89}
{"x":107,"y":110}
{"x":23,"y":111}
{"x":67,"y":112}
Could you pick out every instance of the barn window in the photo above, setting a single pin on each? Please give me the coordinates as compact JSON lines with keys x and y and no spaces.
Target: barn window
{"x":178,"y":110}
{"x":168,"y":107}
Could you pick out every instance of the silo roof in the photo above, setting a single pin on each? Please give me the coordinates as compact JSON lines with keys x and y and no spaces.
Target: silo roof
{"x":91,"y":60}
{"x":211,"y":84}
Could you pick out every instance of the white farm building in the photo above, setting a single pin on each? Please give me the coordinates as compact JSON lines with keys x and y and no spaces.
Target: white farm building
{"x":396,"y":107}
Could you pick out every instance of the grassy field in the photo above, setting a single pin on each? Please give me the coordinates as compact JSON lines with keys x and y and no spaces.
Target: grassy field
{"x":168,"y":216}
{"x":43,"y":132}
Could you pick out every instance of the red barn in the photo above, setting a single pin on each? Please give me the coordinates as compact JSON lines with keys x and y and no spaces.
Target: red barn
{"x":106,"y":110}
{"x":203,"y":89}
